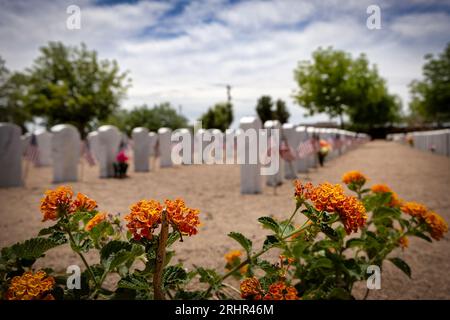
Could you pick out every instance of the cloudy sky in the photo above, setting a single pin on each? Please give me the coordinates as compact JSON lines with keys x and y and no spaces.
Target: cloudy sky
{"x":186,"y":52}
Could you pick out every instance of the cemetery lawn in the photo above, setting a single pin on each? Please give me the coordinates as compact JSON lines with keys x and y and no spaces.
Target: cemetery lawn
{"x":414,"y":175}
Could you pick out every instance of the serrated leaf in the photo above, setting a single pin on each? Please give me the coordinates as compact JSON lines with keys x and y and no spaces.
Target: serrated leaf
{"x":321,"y":263}
{"x":172,"y":238}
{"x":134,"y":282}
{"x":209,"y":276}
{"x":242,"y":240}
{"x":174,"y":275}
{"x":270,"y":224}
{"x":33,"y":248}
{"x":402,"y":265}
{"x":113,"y":247}
{"x":270,"y":241}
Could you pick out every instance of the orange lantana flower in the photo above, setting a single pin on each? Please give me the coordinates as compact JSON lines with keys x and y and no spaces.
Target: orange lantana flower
{"x":281,"y":291}
{"x":56,"y":202}
{"x":355,"y":177}
{"x":251,"y":289}
{"x":31,"y":286}
{"x":331,"y":198}
{"x":437,"y":225}
{"x":145,"y":216}
{"x":183,"y":218}
{"x":403,"y":242}
{"x":82,"y":202}
{"x":97,"y":219}
{"x":382,"y":188}
{"x":414,"y":209}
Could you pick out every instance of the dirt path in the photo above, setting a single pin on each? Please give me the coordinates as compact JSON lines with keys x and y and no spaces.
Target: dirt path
{"x":413,"y":174}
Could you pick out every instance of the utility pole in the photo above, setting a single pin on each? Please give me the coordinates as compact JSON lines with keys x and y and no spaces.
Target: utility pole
{"x":228,"y":93}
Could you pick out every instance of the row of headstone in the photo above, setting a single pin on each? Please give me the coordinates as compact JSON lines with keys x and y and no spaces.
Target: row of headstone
{"x":293,"y":139}
{"x":62,"y":148}
{"x":435,"y":141}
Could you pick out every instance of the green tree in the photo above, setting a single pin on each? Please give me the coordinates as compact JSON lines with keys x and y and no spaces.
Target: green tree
{"x":369,"y":102}
{"x":431,"y":96}
{"x":336,"y":84}
{"x":220,"y":116}
{"x":162,"y":115}
{"x":12,"y":90}
{"x":264,"y":108}
{"x":281,"y":112}
{"x":71,"y":85}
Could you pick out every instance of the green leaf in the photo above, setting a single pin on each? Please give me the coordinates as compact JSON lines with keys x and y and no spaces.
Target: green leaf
{"x":174,"y":275}
{"x":421,"y":235}
{"x":355,"y":242}
{"x":33,"y":248}
{"x":113,"y":247}
{"x":113,"y":256}
{"x":267,"y":267}
{"x":270,"y":224}
{"x":133,"y":282}
{"x":402,"y":265}
{"x":242,"y":240}
{"x":321,"y":263}
{"x":270,"y":241}
{"x":209,"y":276}
{"x":172,"y":238}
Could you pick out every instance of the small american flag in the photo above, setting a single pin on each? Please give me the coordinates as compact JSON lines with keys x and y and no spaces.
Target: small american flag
{"x":286,"y":152}
{"x":87,"y":153}
{"x":32,"y":151}
{"x":305,"y":148}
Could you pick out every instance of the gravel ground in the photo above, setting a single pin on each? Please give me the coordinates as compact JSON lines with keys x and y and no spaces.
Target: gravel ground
{"x":413,"y":174}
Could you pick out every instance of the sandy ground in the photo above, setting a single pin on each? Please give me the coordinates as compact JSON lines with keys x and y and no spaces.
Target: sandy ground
{"x":413,"y":174}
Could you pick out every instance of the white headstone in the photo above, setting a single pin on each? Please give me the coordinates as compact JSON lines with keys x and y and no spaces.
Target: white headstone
{"x":277,"y":178}
{"x":44,"y":142}
{"x":302,"y":136}
{"x":94,"y":144}
{"x":290,"y":136}
{"x":165,"y":147}
{"x":109,"y":138}
{"x":66,"y":148}
{"x":141,"y":149}
{"x":250,"y":173}
{"x":10,"y":155}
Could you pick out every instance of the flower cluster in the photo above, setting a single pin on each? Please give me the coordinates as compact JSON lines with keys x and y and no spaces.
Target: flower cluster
{"x":331,"y":198}
{"x":184,"y":219}
{"x":403,"y":242}
{"x":414,"y":209}
{"x":382,"y":188}
{"x":55,"y":202}
{"x":97,"y":219}
{"x":31,"y":286}
{"x":251,"y":290}
{"x":59,"y":201}
{"x":354,"y":177}
{"x":436,"y":224}
{"x":146,"y":215}
{"x":144,"y":218}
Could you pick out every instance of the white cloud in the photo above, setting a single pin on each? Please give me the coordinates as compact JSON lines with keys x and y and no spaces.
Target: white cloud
{"x":188,"y":58}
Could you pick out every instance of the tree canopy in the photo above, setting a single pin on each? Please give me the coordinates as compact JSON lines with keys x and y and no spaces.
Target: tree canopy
{"x":265,"y":109}
{"x":12,"y":88}
{"x":162,"y":115}
{"x":336,"y":84}
{"x":71,"y":85}
{"x":431,"y":96}
{"x":220,"y":116}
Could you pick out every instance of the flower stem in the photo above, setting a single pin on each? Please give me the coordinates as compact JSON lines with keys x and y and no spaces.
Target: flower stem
{"x":86,"y":264}
{"x":160,"y":257}
{"x":290,"y":218}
